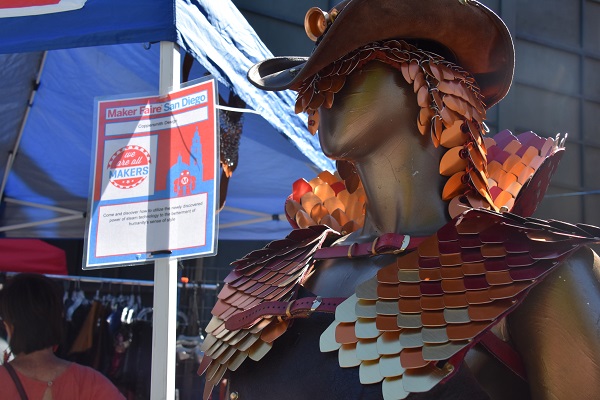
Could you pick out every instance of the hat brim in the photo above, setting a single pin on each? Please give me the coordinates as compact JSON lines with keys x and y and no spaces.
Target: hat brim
{"x":478,"y":38}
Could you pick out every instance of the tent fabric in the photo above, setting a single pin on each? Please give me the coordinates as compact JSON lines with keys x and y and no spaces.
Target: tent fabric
{"x":19,"y":8}
{"x":228,"y":52}
{"x":53,"y":162}
{"x":98,"y":22}
{"x":32,"y":255}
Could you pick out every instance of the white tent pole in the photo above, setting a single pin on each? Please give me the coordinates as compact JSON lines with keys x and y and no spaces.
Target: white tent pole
{"x":262,"y":217}
{"x":244,"y":211}
{"x":72,"y":215}
{"x":164,"y":320}
{"x":42,"y":222}
{"x":43,"y":206}
{"x":245,"y":222}
{"x":15,"y":149}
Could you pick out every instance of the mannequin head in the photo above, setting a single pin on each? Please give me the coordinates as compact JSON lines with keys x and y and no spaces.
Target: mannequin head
{"x":456,"y":56}
{"x":372,"y":125}
{"x":374,"y":107}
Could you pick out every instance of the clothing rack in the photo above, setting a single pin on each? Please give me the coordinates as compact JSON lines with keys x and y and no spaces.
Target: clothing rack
{"x":130,"y":282}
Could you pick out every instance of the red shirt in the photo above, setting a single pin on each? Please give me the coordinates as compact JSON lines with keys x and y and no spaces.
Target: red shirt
{"x":78,"y":382}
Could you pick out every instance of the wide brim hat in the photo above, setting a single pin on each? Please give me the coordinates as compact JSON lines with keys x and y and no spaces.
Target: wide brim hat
{"x":477,"y":38}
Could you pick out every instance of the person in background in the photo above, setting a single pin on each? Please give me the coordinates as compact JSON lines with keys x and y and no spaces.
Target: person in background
{"x":31,"y":310}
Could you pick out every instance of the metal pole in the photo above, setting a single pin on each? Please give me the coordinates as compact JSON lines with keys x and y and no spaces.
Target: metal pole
{"x":164,"y":323}
{"x":164,"y":320}
{"x":15,"y":149}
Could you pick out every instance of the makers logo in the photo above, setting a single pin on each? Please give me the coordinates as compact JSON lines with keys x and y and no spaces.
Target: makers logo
{"x":128,"y":167}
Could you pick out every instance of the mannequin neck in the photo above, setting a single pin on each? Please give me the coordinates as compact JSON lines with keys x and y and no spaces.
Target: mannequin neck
{"x":372,"y":124}
{"x":403,"y":187}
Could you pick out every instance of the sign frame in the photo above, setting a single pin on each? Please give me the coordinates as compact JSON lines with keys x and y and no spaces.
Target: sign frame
{"x":153,"y":192}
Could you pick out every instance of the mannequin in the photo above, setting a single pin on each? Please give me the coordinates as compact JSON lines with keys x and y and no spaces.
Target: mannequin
{"x":365,"y":111}
{"x":396,"y":164}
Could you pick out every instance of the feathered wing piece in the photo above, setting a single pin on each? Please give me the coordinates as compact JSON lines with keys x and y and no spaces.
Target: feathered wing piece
{"x":328,"y":200}
{"x":410,"y":326}
{"x":266,"y":275}
{"x":518,"y":168}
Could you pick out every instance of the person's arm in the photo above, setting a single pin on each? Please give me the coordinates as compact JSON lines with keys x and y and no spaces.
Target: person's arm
{"x":557,"y":331}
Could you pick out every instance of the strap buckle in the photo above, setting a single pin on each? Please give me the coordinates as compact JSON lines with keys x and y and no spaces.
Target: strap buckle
{"x":403,"y":246}
{"x":349,"y":255}
{"x":374,"y":246}
{"x":316,"y":303}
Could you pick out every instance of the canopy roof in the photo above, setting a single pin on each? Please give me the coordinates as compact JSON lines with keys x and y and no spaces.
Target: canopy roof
{"x":109,"y":47}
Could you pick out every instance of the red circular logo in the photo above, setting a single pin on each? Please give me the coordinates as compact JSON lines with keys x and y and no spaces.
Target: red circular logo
{"x":129,"y":166}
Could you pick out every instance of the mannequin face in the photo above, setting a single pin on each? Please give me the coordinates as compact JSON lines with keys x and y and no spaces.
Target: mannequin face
{"x":373,"y":106}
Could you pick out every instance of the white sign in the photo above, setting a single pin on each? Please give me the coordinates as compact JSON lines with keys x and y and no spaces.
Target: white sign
{"x":154,"y":180}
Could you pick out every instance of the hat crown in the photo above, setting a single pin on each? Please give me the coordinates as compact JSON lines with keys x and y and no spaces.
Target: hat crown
{"x":477,"y":38}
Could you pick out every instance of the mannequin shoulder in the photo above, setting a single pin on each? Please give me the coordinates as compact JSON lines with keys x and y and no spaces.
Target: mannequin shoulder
{"x":585,"y":259}
{"x":556,"y":330}
{"x":570,"y":293}
{"x":575,"y":282}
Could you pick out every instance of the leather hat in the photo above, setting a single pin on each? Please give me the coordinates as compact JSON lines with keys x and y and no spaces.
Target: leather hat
{"x":477,"y":38}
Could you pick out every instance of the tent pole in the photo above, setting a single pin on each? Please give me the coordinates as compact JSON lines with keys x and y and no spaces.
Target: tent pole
{"x":164,"y":323}
{"x":13,"y":153}
{"x":117,"y":281}
{"x":42,"y":222}
{"x":261,"y":217}
{"x":72,"y":215}
{"x":45,"y":207}
{"x":162,"y":386}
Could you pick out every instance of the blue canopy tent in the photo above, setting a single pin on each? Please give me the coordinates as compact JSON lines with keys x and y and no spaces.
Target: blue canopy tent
{"x":54,"y":65}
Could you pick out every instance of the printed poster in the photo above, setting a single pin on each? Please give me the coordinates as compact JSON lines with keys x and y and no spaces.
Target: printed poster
{"x":154,"y":176}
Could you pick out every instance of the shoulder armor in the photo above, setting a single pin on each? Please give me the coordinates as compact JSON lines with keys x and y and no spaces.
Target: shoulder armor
{"x":410,"y":326}
{"x":270,"y":274}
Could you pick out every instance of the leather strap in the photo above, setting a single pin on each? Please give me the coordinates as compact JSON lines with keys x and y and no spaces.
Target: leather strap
{"x":17,"y":381}
{"x":300,"y":308}
{"x":505,"y":353}
{"x":393,"y":243}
